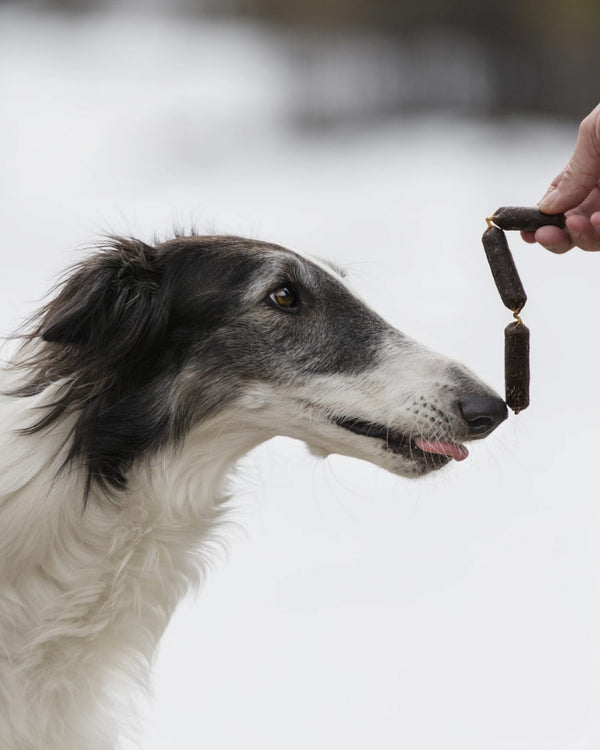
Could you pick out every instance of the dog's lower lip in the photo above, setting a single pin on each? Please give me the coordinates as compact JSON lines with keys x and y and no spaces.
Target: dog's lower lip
{"x":401,"y":443}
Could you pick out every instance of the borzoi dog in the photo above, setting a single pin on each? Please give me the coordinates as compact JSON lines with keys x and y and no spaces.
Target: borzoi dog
{"x":137,"y":388}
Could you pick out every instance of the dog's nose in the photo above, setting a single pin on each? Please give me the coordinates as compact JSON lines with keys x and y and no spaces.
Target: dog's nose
{"x":482,"y":413}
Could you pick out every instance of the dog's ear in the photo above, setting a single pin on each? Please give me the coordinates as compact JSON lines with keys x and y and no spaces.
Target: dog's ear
{"x":112,"y":304}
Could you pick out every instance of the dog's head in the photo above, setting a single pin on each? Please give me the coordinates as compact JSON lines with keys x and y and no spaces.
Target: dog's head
{"x":146,"y":343}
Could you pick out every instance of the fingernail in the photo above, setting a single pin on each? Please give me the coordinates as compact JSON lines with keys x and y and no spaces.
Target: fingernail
{"x":548,"y":201}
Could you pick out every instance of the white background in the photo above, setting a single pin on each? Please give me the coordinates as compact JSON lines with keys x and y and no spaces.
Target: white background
{"x":350,"y":609}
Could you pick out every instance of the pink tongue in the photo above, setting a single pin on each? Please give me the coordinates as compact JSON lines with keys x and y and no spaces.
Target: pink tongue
{"x":457,"y":452}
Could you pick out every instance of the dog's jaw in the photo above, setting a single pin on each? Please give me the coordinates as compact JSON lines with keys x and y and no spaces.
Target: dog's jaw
{"x":403,"y":414}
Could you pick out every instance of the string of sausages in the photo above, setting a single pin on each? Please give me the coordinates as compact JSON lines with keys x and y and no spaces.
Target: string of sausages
{"x":512,"y":293}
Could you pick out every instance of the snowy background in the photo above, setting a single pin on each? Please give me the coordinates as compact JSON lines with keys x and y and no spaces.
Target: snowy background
{"x":353,"y":609}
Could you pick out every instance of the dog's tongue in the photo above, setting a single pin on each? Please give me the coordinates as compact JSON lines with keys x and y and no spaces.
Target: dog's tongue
{"x":457,"y":452}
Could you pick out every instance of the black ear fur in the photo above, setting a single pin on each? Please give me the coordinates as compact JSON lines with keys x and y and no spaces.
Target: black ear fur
{"x":112,"y":304}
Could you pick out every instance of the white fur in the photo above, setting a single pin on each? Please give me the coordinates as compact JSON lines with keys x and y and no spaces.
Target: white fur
{"x":85,"y":596}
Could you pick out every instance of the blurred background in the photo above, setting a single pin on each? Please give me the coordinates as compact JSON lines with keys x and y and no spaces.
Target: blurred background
{"x":352,"y":609}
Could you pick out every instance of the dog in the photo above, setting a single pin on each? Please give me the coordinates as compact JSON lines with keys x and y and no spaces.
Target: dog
{"x":137,"y":387}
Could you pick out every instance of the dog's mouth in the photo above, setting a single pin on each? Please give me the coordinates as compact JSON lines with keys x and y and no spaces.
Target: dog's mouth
{"x":415,"y":448}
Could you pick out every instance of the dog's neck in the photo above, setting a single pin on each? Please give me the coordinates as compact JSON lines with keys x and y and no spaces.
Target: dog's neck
{"x":86,"y":592}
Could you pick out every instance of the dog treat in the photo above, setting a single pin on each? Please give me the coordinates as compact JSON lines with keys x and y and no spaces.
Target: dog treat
{"x":512,"y":294}
{"x":503,"y":269}
{"x":516,"y":365}
{"x":525,"y":219}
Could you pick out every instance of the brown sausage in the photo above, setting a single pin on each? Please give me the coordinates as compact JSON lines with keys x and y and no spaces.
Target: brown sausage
{"x":516,"y":365}
{"x":503,"y":269}
{"x":525,"y":219}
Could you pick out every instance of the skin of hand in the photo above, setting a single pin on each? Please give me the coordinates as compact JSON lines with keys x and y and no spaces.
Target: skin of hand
{"x":576,"y":192}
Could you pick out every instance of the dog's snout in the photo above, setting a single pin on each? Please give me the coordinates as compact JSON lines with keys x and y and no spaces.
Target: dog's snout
{"x":482,"y":413}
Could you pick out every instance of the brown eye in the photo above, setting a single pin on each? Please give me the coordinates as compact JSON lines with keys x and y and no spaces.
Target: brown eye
{"x":284,"y":296}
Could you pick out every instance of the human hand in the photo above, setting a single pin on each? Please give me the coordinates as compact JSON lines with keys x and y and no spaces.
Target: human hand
{"x":576,"y":192}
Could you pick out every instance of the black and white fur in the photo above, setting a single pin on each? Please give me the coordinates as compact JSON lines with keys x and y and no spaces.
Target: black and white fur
{"x":138,"y":387}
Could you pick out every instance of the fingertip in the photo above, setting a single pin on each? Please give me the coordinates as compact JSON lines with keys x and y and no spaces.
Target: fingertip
{"x":557,"y":203}
{"x":568,"y":192}
{"x":553,"y":239}
{"x":548,"y":202}
{"x":528,"y":237}
{"x":577,"y":224}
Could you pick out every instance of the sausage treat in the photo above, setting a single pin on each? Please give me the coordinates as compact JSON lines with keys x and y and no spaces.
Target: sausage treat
{"x":512,"y":294}
{"x":504,"y":271}
{"x":524,"y":219}
{"x":516,"y":365}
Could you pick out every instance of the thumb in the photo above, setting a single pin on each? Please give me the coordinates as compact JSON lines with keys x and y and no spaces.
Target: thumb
{"x":582,"y":172}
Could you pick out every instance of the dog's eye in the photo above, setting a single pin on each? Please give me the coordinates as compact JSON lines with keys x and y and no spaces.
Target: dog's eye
{"x":284,"y":297}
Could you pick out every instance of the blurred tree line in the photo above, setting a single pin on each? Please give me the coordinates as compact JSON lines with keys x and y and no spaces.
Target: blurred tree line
{"x":539,"y":56}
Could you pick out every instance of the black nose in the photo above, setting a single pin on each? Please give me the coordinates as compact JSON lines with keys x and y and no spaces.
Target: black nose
{"x":482,"y":413}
